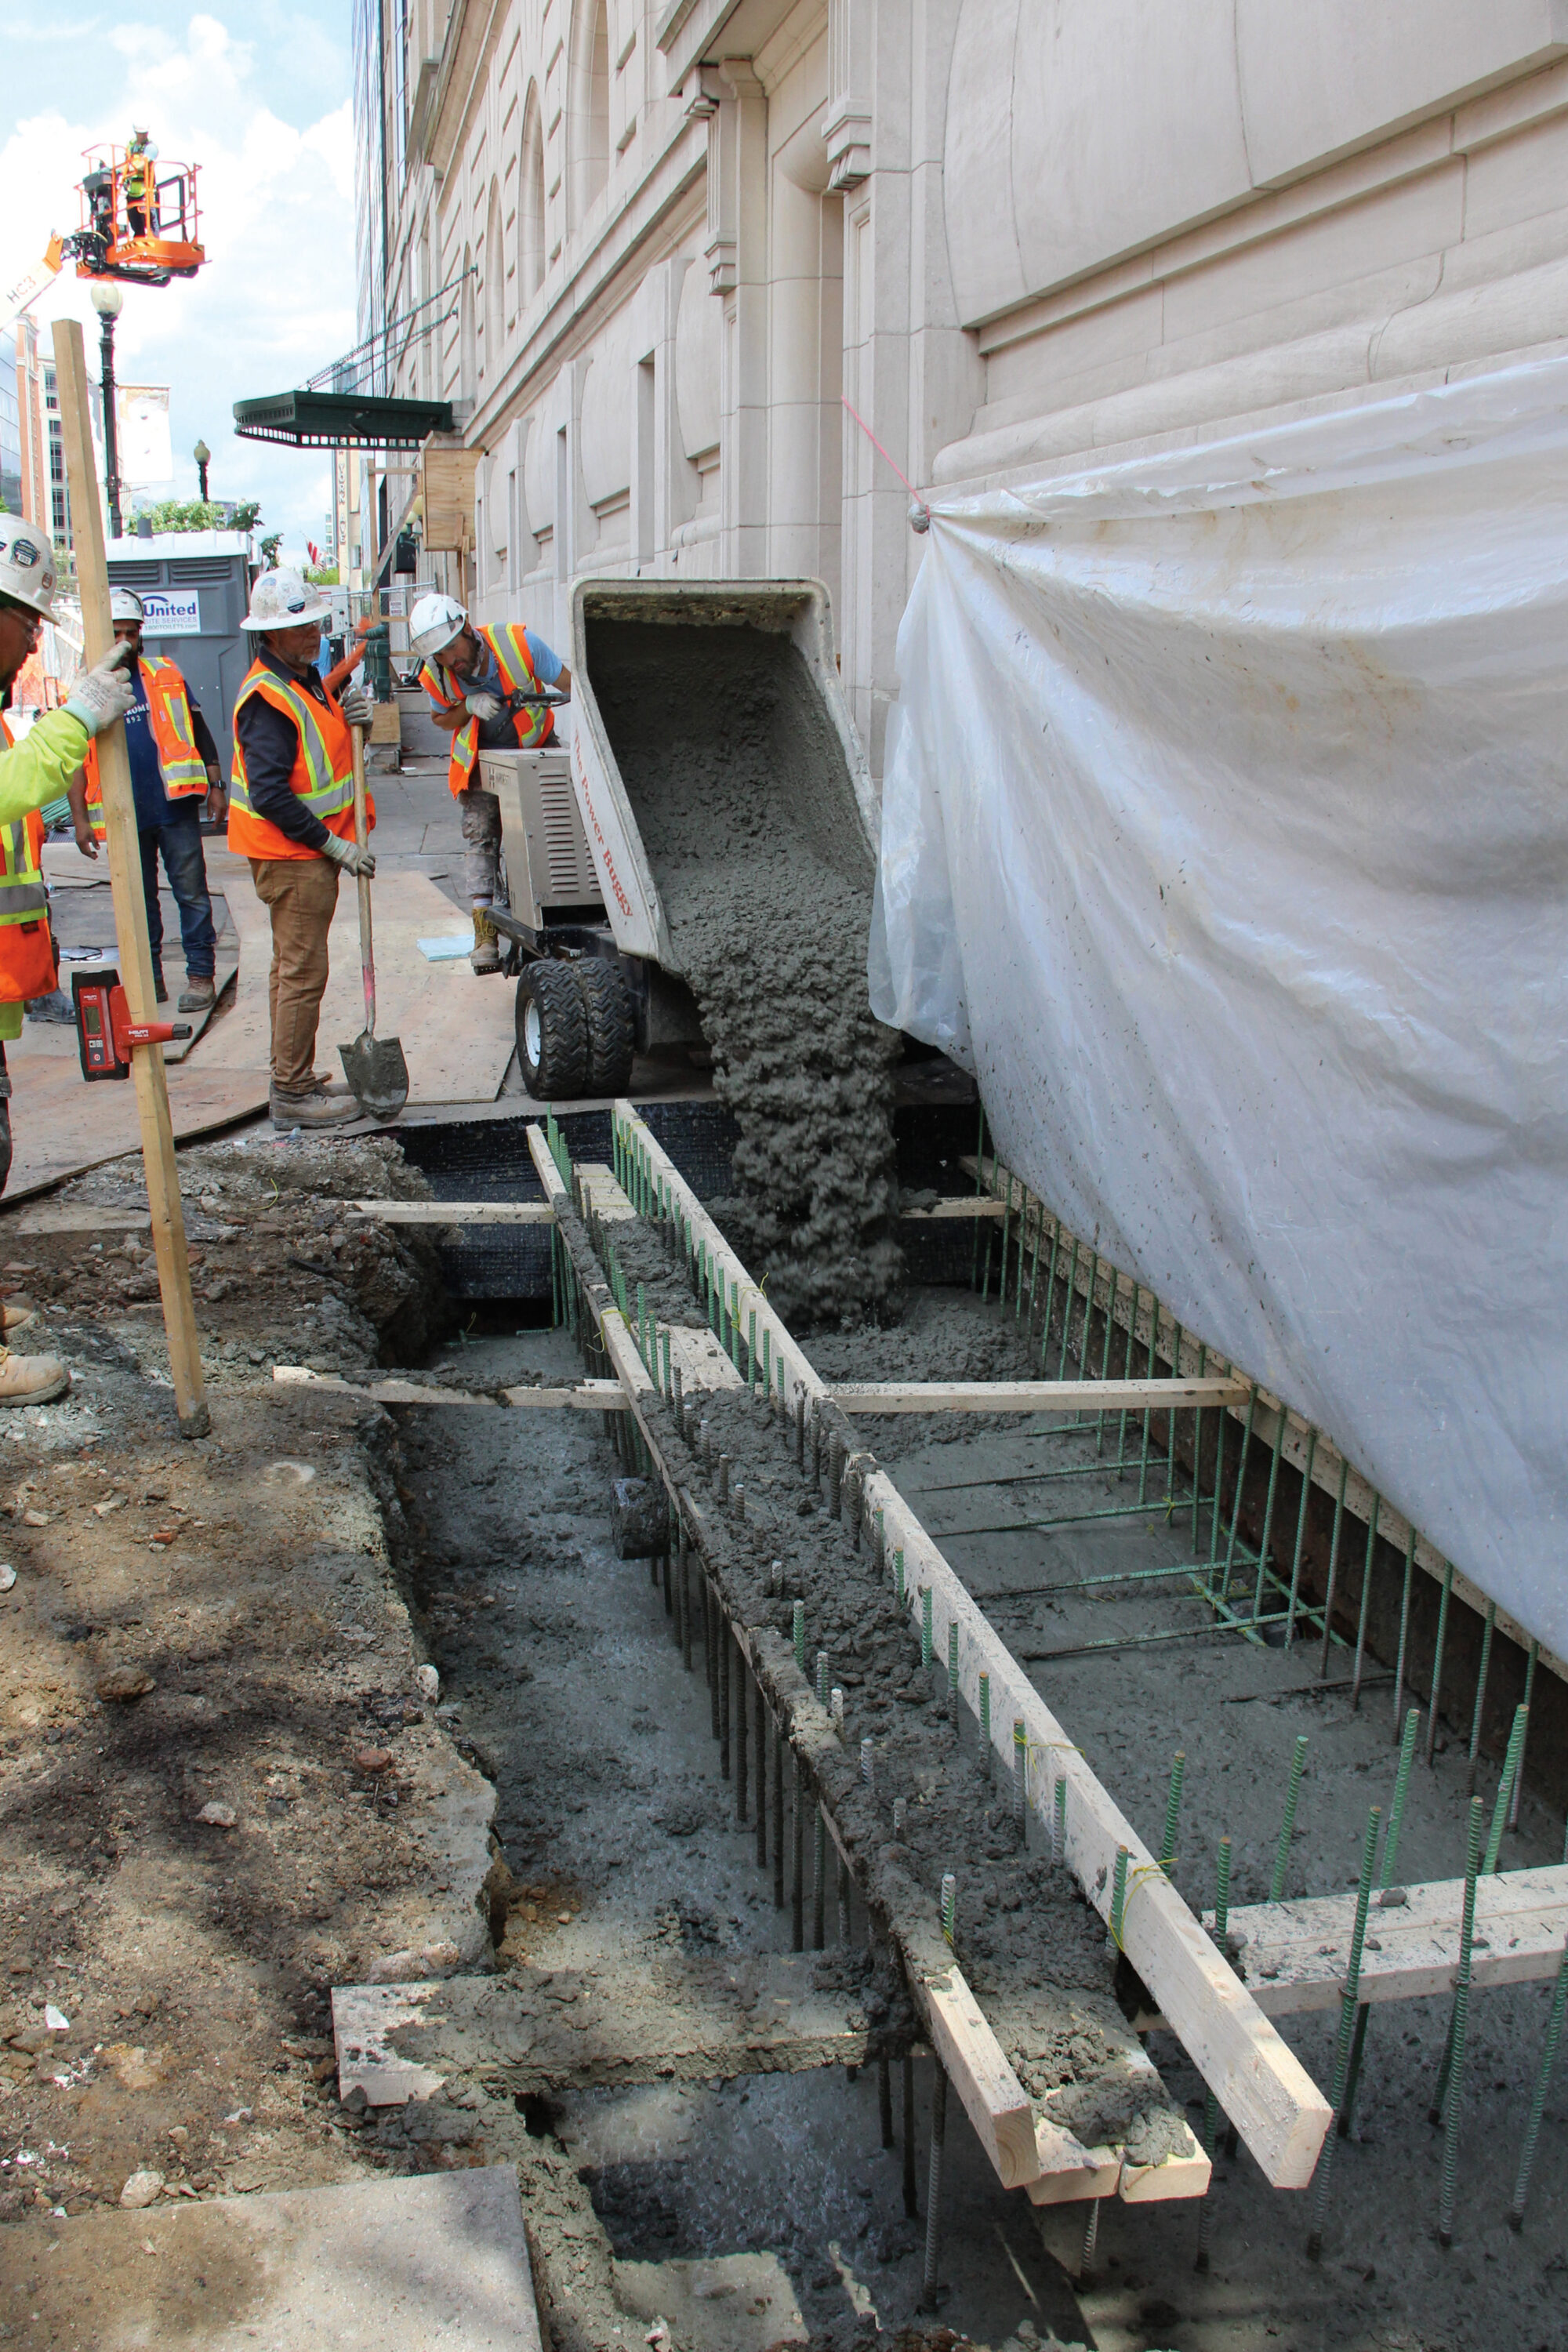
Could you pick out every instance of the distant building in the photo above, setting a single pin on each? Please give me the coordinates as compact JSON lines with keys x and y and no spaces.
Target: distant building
{"x":10,"y":427}
{"x":649,"y":247}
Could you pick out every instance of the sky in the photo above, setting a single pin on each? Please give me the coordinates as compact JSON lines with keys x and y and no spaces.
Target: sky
{"x":258,"y":98}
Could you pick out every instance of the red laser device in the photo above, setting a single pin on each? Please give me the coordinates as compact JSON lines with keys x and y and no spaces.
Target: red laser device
{"x":105,"y":1033}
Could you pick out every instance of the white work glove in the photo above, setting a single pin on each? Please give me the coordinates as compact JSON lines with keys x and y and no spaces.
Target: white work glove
{"x":103,"y":694}
{"x":483,"y":706}
{"x":349,"y":856}
{"x":356,"y":703}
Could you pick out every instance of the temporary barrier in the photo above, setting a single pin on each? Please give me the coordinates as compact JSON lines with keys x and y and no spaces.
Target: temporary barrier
{"x":1225,"y":838}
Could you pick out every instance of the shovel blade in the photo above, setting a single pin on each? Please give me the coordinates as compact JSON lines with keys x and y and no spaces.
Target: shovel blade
{"x":377,"y":1073}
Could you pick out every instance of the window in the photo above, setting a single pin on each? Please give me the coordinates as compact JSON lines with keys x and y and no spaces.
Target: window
{"x":530,"y":202}
{"x":467,"y":333}
{"x":588,"y":107}
{"x":495,"y":293}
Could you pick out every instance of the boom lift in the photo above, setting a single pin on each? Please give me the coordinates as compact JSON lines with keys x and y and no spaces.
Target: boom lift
{"x":140,"y":220}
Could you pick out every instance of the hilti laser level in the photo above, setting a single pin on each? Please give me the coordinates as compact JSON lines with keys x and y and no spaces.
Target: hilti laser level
{"x":105,"y":1033}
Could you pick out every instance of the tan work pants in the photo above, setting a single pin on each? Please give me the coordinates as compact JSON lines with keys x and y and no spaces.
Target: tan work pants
{"x":301,"y":893}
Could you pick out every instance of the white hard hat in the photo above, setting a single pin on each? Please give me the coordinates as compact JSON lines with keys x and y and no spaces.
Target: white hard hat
{"x":124,"y":604}
{"x":26,"y":566}
{"x":434,"y":622}
{"x":282,"y":600}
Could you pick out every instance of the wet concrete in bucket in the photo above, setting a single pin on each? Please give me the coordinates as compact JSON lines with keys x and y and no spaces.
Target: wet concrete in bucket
{"x":746,"y":811}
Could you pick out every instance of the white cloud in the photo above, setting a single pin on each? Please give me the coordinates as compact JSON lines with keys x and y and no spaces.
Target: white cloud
{"x":267,"y":124}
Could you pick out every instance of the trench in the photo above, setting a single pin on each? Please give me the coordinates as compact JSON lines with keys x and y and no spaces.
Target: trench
{"x":738,"y":2205}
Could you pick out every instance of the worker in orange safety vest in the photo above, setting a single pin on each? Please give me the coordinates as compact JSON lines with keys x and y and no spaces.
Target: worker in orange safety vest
{"x":176,"y":781}
{"x":472,"y":675}
{"x":291,"y":813}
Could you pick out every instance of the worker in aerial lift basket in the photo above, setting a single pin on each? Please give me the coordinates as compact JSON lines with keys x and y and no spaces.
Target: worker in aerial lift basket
{"x":31,"y":772}
{"x":478,"y":679}
{"x":291,"y":813}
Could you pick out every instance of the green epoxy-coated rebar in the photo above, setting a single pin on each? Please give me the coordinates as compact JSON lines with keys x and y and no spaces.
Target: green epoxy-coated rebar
{"x":1211,"y":2105}
{"x":1127,"y":1375}
{"x":1287,"y":1826}
{"x":1437,"y":1661}
{"x":1172,"y":1810}
{"x":800,"y":1635}
{"x":1404,"y":1632}
{"x":1505,"y":1789}
{"x":1542,"y":2084}
{"x":1240,"y":1483}
{"x":1300,"y":1538}
{"x":925,"y":1630}
{"x":768,"y":1362}
{"x":1059,"y":1824}
{"x":1006,"y":1236}
{"x":751,"y":1345}
{"x":1269,"y":1514}
{"x":664,"y":1351}
{"x":1148,"y":1409}
{"x":898,"y":1574}
{"x":985,"y":1723}
{"x":822,"y":1678}
{"x":1347,"y":2029}
{"x":643,"y":1336}
{"x":1534,"y":1653}
{"x":1110,"y":1294}
{"x":1334,"y":1569}
{"x":1050,"y":1290}
{"x":1118,"y":1896}
{"x":1222,"y":1418}
{"x":1068,"y":1308}
{"x":1460,"y":2023}
{"x":979,"y":1188}
{"x":949,"y":1905}
{"x":1171,"y":1418}
{"x":1487,"y":1630}
{"x":1365,"y":1600}
{"x":1020,"y":1772}
{"x":1385,"y":1879}
{"x":952,"y":1666}
{"x":1198,"y":1447}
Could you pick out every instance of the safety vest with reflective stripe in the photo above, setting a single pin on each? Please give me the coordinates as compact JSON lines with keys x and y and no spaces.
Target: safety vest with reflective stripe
{"x":173,"y":732}
{"x":322,"y":775}
{"x":447,"y":691}
{"x":27,"y":949}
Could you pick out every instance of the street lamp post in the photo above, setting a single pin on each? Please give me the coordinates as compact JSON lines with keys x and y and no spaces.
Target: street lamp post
{"x":109,"y":301}
{"x":203,"y":457}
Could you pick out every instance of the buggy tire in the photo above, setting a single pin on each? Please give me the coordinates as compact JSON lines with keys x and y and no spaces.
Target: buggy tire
{"x":611,"y":1024}
{"x":553,"y":1047}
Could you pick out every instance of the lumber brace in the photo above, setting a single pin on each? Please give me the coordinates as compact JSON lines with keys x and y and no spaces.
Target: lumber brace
{"x":1294,"y":1956}
{"x":583,"y":1396}
{"x":1265,"y":2091}
{"x":1034,"y":1396}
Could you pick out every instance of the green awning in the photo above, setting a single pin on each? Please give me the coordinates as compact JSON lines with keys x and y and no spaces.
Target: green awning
{"x":325,"y":420}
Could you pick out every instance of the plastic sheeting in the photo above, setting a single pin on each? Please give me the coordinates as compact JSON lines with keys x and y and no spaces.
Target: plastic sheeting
{"x":1225,"y":838}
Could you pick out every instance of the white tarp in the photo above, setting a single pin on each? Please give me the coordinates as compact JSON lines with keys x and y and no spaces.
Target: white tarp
{"x":1225,"y":838}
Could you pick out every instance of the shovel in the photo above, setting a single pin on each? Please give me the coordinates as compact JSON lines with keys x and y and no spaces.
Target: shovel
{"x":374,"y":1066}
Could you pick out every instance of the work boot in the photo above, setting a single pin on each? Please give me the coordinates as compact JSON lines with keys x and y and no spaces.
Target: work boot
{"x":485,"y":953}
{"x":199,"y":992}
{"x":55,"y":1006}
{"x":16,"y":1318}
{"x":31,"y":1379}
{"x":314,"y":1108}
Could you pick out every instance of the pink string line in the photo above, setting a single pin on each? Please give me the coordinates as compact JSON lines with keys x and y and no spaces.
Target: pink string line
{"x":876,"y":444}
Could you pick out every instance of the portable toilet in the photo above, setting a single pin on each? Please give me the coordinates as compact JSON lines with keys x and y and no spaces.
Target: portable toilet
{"x":196,"y":586}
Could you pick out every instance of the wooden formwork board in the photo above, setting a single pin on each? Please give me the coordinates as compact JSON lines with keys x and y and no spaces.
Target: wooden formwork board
{"x":1132,"y":1308}
{"x":1263,"y":2089}
{"x":871,"y":1397}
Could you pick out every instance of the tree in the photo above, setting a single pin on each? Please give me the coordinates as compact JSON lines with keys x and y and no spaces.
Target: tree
{"x":201,"y":514}
{"x":269,"y":551}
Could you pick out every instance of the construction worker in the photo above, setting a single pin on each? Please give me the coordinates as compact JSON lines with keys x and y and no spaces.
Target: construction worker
{"x":471,"y":675}
{"x":176,"y":781}
{"x":140,"y":180}
{"x":31,"y":772}
{"x":292,"y":812}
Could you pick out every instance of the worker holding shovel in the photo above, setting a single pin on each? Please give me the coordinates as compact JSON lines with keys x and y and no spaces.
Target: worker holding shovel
{"x":291,"y":813}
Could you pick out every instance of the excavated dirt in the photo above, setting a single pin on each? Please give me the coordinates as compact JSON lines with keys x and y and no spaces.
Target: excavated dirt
{"x":747,"y":815}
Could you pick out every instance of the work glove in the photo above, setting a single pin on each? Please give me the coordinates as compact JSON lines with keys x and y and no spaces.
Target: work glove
{"x":103,"y":694}
{"x":483,"y":706}
{"x":356,"y":703}
{"x":349,"y":856}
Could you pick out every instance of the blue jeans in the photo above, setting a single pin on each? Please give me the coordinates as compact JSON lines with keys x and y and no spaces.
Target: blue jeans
{"x":181,"y":844}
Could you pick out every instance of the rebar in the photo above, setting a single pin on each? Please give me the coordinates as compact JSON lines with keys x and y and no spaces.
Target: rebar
{"x":1287,"y":1826}
{"x":1542,"y":2084}
{"x":799,"y":1632}
{"x":1269,"y":1513}
{"x":925,"y":1630}
{"x":1060,"y":1822}
{"x":1300,"y":1537}
{"x":762,"y":1780}
{"x":1531,"y":1655}
{"x":1020,"y":1774}
{"x":741,"y":1714}
{"x":1240,"y":1483}
{"x":911,"y":2203}
{"x":1334,"y":1569}
{"x":1347,"y":2003}
{"x":1386,"y":1879}
{"x":933,"y":2188}
{"x":1211,"y":2105}
{"x":1365,"y":1600}
{"x":1505,"y":1789}
{"x":779,"y":1820}
{"x":1403,"y":1633}
{"x":798,"y":1859}
{"x":1460,"y":2023}
{"x":1172,"y":1811}
{"x":1090,"y":2239}
{"x":1437,"y":1662}
{"x":1118,"y":1895}
{"x":953,"y":1668}
{"x":1481,"y":1690}
{"x":986,"y":1724}
{"x":949,"y":1905}
{"x":819,"y":1884}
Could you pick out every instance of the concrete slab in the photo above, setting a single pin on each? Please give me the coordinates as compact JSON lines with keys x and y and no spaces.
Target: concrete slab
{"x":439,"y":2262}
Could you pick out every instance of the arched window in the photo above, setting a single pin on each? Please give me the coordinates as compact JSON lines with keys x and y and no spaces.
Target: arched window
{"x":530,"y":202}
{"x":495,"y":293}
{"x":588,"y":123}
{"x":467,"y":333}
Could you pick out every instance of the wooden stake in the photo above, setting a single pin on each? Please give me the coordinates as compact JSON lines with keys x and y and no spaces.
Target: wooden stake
{"x":129,"y":904}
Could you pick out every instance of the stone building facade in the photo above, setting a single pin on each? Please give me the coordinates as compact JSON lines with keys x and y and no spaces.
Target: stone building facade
{"x":650,"y":248}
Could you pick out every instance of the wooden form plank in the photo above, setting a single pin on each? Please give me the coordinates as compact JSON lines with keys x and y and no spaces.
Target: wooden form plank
{"x":135,"y":954}
{"x":1294,"y":1955}
{"x":1032,"y":1396}
{"x":965,"y":1208}
{"x":455,"y":1213}
{"x":616,"y":2023}
{"x":1131,"y":1308}
{"x":1264,"y":2089}
{"x":583,"y":1396}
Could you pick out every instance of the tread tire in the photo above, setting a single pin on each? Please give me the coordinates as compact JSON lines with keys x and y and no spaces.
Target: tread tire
{"x":611,"y":1024}
{"x":557,"y":1063}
